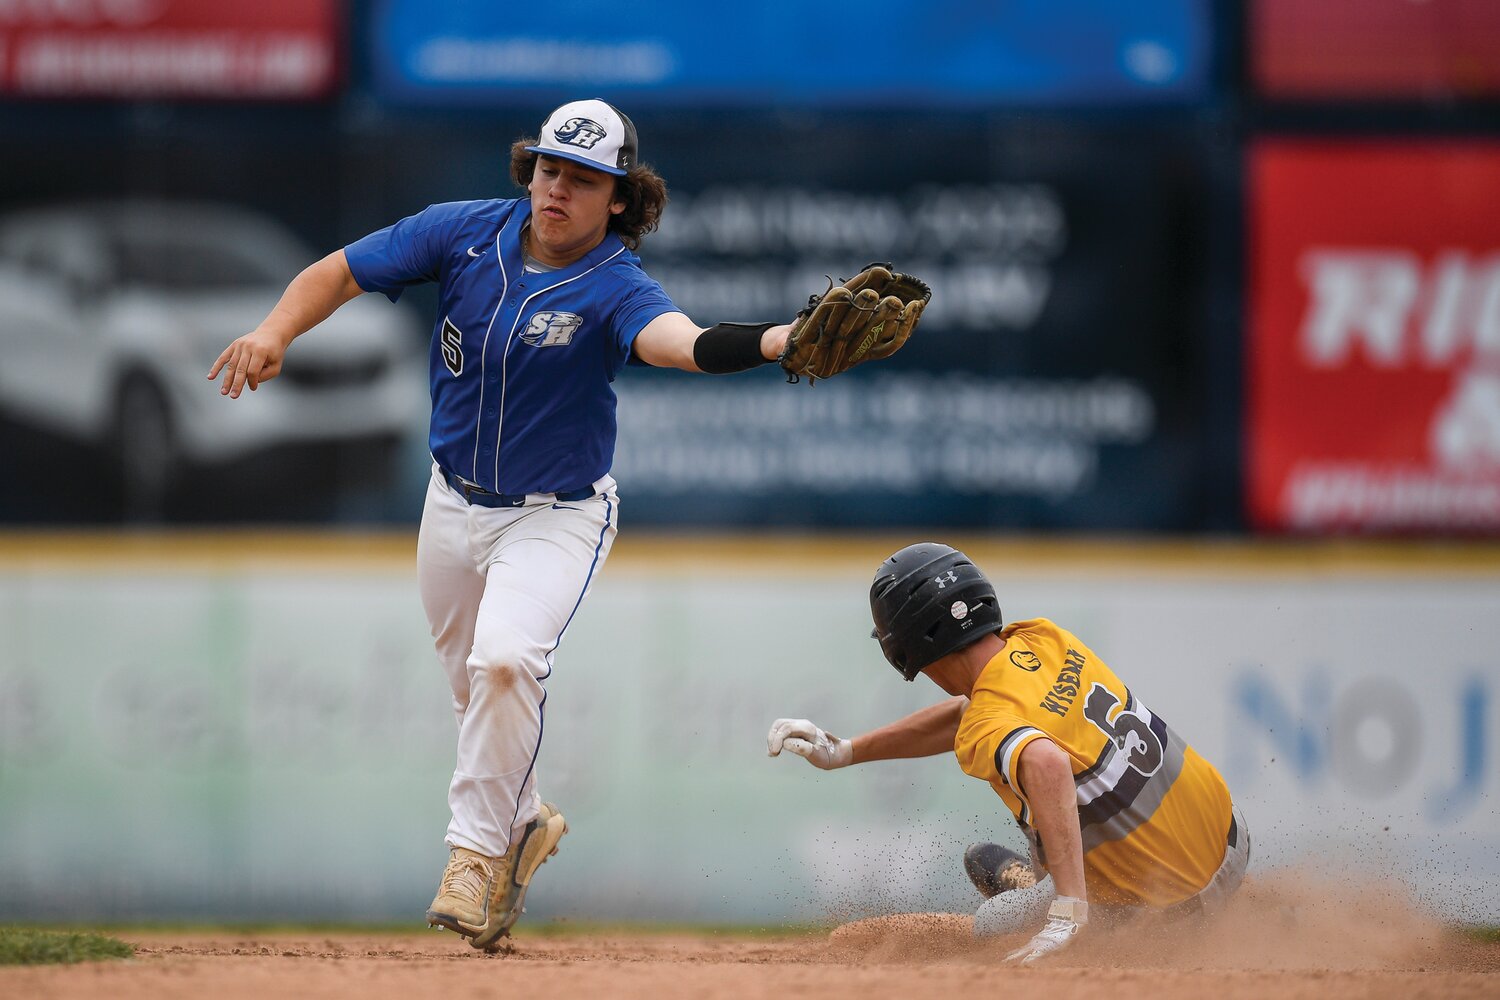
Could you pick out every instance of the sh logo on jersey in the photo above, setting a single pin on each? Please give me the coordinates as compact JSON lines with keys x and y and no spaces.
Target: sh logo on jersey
{"x":552,"y":329}
{"x":581,"y":132}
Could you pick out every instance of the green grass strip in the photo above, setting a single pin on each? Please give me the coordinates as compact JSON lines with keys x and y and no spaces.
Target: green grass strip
{"x":30,"y":946}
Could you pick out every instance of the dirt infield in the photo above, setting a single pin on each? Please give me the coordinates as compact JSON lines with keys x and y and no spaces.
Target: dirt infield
{"x":1316,"y":946}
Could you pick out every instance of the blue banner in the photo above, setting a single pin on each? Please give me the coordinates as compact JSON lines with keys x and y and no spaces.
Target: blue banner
{"x":963,"y":53}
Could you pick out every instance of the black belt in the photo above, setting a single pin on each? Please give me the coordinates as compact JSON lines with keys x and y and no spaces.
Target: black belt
{"x":480,"y":497}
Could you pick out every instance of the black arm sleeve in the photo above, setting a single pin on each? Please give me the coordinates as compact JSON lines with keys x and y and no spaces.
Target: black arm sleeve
{"x":730,"y":347}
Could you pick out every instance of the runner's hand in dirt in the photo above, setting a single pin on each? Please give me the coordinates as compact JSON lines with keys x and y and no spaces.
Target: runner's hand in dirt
{"x":1064,"y":920}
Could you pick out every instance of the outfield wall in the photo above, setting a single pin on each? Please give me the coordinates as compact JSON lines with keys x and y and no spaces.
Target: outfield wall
{"x":252,"y":727}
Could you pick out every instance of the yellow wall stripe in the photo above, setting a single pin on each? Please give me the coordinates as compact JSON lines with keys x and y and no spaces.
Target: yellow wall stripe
{"x":760,"y":555}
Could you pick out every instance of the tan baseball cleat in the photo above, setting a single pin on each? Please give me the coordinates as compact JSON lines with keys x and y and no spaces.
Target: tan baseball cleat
{"x":513,"y":874}
{"x":463,"y":894}
{"x":480,"y":897}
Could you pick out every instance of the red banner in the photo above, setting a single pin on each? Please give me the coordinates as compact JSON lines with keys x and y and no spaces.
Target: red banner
{"x":1374,"y":342}
{"x":129,"y":49}
{"x":1375,"y":48}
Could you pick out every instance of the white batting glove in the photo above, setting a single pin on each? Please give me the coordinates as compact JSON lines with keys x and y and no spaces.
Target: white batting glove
{"x":806,"y":740}
{"x":1066,"y":917}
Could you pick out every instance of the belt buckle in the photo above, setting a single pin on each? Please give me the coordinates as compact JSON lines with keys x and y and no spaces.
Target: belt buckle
{"x":464,"y":488}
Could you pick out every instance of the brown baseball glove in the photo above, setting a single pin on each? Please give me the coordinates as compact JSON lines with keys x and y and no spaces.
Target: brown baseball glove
{"x":867,"y":317}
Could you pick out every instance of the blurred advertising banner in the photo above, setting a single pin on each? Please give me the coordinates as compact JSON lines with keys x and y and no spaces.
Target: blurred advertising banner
{"x":880,"y":52}
{"x":1060,"y":379}
{"x":1053,"y":381}
{"x":1374,"y":351}
{"x":259,"y":49}
{"x":1375,"y":48}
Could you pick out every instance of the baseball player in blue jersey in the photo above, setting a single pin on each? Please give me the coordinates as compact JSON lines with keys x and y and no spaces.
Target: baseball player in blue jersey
{"x":542,"y":302}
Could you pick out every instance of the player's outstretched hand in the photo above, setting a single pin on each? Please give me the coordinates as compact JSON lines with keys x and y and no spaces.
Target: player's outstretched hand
{"x":250,"y":360}
{"x":806,"y":740}
{"x":1064,"y":920}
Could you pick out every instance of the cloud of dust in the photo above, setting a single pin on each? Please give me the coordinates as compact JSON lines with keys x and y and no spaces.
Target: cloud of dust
{"x":1287,"y":921}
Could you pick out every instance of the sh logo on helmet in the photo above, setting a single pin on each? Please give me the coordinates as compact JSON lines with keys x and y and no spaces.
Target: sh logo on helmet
{"x":584,"y":133}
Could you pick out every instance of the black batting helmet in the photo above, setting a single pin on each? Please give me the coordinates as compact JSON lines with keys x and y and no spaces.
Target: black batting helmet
{"x":928,"y":600}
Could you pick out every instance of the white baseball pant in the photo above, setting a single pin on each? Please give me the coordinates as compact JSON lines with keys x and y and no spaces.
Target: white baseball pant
{"x":500,"y":587}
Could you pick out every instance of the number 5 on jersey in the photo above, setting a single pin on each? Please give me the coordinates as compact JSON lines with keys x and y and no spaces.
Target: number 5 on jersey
{"x":451,"y":343}
{"x":1130,"y":733}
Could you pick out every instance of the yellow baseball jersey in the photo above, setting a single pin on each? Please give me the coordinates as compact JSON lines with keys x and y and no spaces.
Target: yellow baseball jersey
{"x":1154,"y":814}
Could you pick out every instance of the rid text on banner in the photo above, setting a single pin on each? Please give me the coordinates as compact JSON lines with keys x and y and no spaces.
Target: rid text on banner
{"x":131,"y":49}
{"x":1374,"y":341}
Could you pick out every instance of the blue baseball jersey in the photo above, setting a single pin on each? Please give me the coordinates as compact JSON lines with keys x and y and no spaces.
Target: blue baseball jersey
{"x":521,"y":363}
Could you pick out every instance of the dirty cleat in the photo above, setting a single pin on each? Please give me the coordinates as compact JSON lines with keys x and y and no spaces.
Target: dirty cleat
{"x":994,"y":869}
{"x":462,"y":899}
{"x":513,"y":873}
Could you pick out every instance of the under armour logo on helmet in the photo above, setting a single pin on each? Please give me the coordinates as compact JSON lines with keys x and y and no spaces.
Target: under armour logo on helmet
{"x":581,"y":132}
{"x":943,"y":579}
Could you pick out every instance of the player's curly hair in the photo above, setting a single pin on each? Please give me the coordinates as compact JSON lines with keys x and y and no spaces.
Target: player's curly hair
{"x":642,"y":190}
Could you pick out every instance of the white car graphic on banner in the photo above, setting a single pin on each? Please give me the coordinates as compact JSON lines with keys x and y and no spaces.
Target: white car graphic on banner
{"x":111,"y":314}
